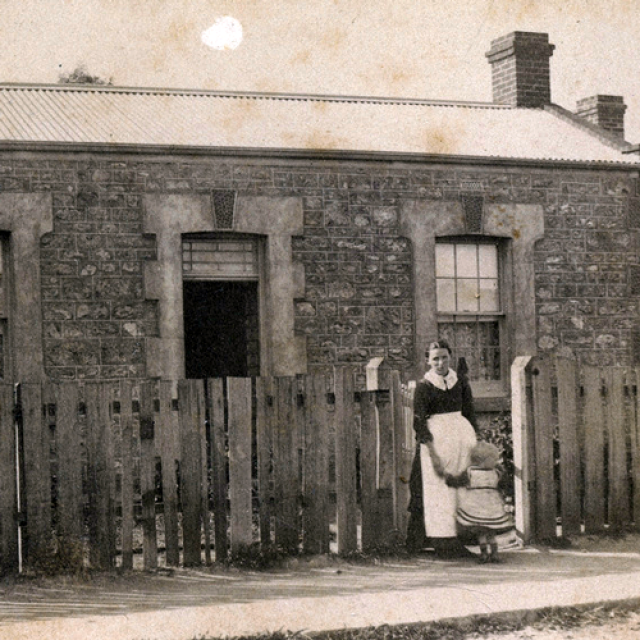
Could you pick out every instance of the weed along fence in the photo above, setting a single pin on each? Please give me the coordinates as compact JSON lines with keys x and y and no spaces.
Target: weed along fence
{"x":198,"y":471}
{"x":576,"y":432}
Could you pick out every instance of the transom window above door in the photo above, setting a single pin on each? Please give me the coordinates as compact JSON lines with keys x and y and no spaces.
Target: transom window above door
{"x":220,"y":259}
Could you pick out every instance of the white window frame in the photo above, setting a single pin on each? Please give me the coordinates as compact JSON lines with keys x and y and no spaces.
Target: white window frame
{"x":483,"y":387}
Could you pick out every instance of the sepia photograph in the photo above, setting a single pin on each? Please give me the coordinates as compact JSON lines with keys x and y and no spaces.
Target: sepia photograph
{"x":319,"y":319}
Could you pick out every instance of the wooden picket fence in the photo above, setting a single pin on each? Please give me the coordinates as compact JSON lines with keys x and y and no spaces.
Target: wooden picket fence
{"x":190,"y":472}
{"x":577,"y":445}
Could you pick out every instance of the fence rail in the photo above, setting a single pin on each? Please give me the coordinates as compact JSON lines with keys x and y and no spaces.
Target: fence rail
{"x":194,"y":471}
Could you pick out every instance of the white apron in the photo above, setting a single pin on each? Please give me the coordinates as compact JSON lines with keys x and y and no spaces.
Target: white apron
{"x":453,"y":439}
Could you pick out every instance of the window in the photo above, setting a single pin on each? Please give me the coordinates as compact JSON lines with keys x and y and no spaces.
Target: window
{"x":469,"y":304}
{"x":220,"y":259}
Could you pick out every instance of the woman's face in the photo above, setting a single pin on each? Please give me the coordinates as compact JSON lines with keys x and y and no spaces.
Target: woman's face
{"x":439,"y":360}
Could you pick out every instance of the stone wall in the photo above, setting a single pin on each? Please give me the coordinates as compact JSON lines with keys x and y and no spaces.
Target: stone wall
{"x":358,"y":301}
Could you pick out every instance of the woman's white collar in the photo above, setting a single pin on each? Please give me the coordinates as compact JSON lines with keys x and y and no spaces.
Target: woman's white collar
{"x":442,"y":382}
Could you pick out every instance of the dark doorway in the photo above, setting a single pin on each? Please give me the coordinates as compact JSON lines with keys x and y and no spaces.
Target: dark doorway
{"x":221,"y":329}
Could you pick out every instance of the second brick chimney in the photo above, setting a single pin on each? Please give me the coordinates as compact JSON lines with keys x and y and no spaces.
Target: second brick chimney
{"x":520,"y":69}
{"x":605,"y":111}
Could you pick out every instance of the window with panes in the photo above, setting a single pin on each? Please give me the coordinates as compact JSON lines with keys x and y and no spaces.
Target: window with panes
{"x":469,"y":304}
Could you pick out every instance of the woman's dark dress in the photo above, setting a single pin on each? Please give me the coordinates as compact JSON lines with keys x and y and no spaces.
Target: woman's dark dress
{"x":428,"y":401}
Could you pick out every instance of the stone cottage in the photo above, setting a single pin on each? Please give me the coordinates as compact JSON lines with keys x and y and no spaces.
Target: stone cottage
{"x":164,"y":233}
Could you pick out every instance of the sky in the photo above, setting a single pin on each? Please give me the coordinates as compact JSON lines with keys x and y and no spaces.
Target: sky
{"x":395,"y":48}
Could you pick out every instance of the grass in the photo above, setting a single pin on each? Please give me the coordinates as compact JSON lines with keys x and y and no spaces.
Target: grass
{"x":472,"y":627}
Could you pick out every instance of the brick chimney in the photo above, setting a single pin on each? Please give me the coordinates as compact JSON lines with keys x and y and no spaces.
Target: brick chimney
{"x":520,"y":69}
{"x":605,"y":111}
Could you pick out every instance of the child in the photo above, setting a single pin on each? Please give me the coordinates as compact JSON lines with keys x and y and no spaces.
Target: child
{"x":480,"y":505}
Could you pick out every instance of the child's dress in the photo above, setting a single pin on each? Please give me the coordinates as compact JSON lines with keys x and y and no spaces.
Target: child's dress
{"x":480,"y":504}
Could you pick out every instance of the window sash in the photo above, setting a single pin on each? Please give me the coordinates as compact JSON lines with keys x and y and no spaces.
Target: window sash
{"x":468,"y":278}
{"x":478,"y":340}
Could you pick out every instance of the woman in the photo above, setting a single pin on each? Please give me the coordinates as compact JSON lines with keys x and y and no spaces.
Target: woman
{"x":445,"y":426}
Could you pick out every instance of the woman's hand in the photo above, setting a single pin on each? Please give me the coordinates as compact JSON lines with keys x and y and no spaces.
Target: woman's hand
{"x":438,"y":467}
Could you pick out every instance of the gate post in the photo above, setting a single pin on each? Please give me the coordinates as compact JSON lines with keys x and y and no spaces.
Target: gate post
{"x":522,"y":434}
{"x":383,"y":466}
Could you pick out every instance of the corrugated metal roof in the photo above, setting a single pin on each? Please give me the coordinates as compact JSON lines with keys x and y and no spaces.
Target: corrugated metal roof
{"x":122,"y":116}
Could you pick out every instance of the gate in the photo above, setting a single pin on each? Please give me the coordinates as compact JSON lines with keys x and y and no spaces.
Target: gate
{"x":576,"y":432}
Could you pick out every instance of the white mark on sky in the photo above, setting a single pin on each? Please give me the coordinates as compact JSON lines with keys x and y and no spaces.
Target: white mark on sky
{"x":225,"y":33}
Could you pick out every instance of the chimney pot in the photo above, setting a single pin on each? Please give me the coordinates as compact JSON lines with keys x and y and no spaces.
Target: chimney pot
{"x":520,"y":69}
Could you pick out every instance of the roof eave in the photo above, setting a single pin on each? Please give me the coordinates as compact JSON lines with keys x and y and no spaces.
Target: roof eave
{"x":307,"y":154}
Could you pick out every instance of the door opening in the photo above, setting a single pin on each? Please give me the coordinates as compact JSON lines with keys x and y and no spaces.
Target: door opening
{"x":221,"y":328}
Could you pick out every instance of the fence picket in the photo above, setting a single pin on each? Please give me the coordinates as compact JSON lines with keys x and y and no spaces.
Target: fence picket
{"x":569,"y":447}
{"x":37,"y":473}
{"x":402,"y":462}
{"x":264,"y":425}
{"x":8,"y":528}
{"x":169,"y":456}
{"x":285,"y":464}
{"x":635,"y":451}
{"x":316,"y":457}
{"x":68,"y":439}
{"x":239,"y":402}
{"x":100,"y":476}
{"x":593,"y":450}
{"x":204,"y":470}
{"x":148,"y":477}
{"x":385,"y":475}
{"x":190,"y":471}
{"x":543,"y":436}
{"x":368,"y":484}
{"x":618,"y":479}
{"x":346,"y":472}
{"x":218,"y":467}
{"x":128,"y":446}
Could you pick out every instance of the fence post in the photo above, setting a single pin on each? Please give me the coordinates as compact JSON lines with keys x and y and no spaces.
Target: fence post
{"x":522,"y":434}
{"x":378,"y":455}
{"x":545,"y":512}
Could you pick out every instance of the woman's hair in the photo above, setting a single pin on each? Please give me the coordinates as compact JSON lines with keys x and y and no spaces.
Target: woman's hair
{"x":440,"y":344}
